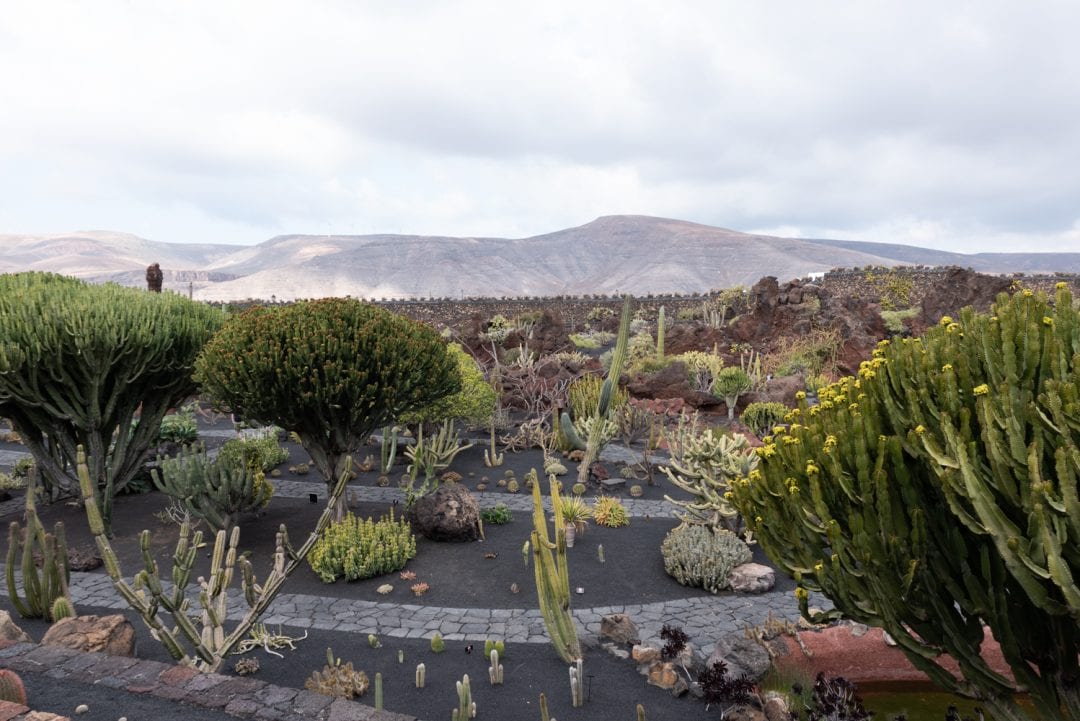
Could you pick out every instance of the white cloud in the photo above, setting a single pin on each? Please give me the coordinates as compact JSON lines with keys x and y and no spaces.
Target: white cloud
{"x":234,"y":121}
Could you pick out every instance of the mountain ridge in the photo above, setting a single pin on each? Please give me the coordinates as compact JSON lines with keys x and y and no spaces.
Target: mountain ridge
{"x":611,"y":254}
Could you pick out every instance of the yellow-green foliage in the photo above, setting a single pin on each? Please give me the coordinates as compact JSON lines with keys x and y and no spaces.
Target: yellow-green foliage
{"x":356,"y":549}
{"x":609,"y":511}
{"x":701,"y":557}
{"x":584,"y":394}
{"x":701,"y":368}
{"x":79,"y":362}
{"x":262,"y":454}
{"x":591,"y":340}
{"x":894,"y":319}
{"x":935,"y":495}
{"x":337,"y":679}
{"x":474,"y":403}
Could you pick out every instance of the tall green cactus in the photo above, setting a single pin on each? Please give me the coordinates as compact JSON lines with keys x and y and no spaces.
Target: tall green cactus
{"x":937,"y":492}
{"x":591,"y":445}
{"x":213,"y":490}
{"x":96,"y":366}
{"x":42,"y":589}
{"x":147,"y":595}
{"x":552,"y":576}
{"x":331,"y":370}
{"x":660,"y":328}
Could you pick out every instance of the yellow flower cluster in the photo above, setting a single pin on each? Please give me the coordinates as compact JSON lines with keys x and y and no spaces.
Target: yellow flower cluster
{"x":1048,"y":321}
{"x":920,"y":429}
{"x":946,"y":368}
{"x":981,"y":390}
{"x":811,"y":469}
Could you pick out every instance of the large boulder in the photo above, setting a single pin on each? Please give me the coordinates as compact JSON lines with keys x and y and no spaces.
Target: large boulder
{"x":743,"y":656}
{"x":751,"y":578}
{"x":10,"y":631}
{"x":449,"y":513}
{"x":108,"y":634}
{"x":619,"y":628}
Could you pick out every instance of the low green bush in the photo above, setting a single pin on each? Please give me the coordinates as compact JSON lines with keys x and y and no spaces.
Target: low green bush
{"x":609,"y":511}
{"x":356,"y":549}
{"x":264,"y":453}
{"x":696,"y":556}
{"x":496,"y":516}
{"x":179,"y":427}
{"x":761,"y":417}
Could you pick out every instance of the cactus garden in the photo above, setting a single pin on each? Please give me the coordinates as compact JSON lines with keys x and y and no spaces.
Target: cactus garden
{"x":449,"y":522}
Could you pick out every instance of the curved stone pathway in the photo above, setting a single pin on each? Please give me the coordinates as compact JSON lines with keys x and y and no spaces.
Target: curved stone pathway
{"x":704,"y":619}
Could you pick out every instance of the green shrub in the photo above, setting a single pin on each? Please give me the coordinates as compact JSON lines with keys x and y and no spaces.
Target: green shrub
{"x":729,"y":384}
{"x":474,"y":403}
{"x":701,"y":557}
{"x":333,"y":371}
{"x":761,"y":417}
{"x":356,"y":549}
{"x":496,"y":516}
{"x":609,"y":511}
{"x":894,"y":319}
{"x":591,"y":340}
{"x":22,"y":467}
{"x":263,"y":453}
{"x":11,"y":482}
{"x":701,"y":368}
{"x":179,"y":427}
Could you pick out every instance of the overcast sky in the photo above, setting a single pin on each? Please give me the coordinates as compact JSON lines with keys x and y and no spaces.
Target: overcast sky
{"x":953,"y":125}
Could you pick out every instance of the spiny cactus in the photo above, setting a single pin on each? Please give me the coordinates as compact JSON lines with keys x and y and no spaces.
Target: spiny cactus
{"x":378,"y":692}
{"x":42,"y":588}
{"x":11,"y":687}
{"x":97,"y":366}
{"x":438,"y":645}
{"x":552,"y":576}
{"x":937,"y":492}
{"x":61,"y":608}
{"x":337,"y":679}
{"x":702,"y":557}
{"x":466,"y":706}
{"x":660,"y":324}
{"x":214,"y":490}
{"x":577,"y":684}
{"x":703,"y":463}
{"x":495,"y":671}
{"x":148,"y":597}
{"x":421,"y":675}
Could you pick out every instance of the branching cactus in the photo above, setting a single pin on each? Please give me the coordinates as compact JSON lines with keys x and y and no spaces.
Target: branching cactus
{"x":937,"y":492}
{"x":703,"y":463}
{"x":552,"y":576}
{"x":466,"y":706}
{"x":594,"y":441}
{"x":42,"y":588}
{"x":204,"y":648}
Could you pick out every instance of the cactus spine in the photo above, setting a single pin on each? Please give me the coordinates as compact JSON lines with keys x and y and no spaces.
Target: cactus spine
{"x":42,"y":588}
{"x":937,"y":492}
{"x":147,"y":595}
{"x":591,"y":445}
{"x":552,"y":576}
{"x":495,"y":673}
{"x":11,"y":687}
{"x":466,"y":706}
{"x":421,"y":675}
{"x":378,"y":692}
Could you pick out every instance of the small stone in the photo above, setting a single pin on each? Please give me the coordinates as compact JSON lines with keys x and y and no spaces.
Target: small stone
{"x":108,"y":634}
{"x":889,"y":640}
{"x":384,"y":589}
{"x":10,"y":631}
{"x":663,"y":675}
{"x":645,"y":654}
{"x":741,"y":655}
{"x":619,"y":628}
{"x":81,"y":708}
{"x":858,"y":630}
{"x":680,"y":688}
{"x":776,"y":708}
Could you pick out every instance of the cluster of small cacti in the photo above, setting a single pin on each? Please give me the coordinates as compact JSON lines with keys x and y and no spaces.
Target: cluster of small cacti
{"x":554,"y":468}
{"x":466,"y":706}
{"x":337,"y":679}
{"x":577,"y":684}
{"x":609,"y":511}
{"x":246,"y":666}
{"x":495,"y":671}
{"x":11,"y":687}
{"x":216,"y":490}
{"x":373,"y":641}
{"x":45,"y":587}
{"x":356,"y":549}
{"x":702,"y":557}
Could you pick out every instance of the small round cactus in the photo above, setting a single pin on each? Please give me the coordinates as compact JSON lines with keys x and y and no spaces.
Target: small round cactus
{"x":578,"y":489}
{"x":636,"y":491}
{"x":512,"y":486}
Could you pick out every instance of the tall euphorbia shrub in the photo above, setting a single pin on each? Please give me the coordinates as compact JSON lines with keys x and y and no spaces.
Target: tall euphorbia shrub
{"x":332,"y":370}
{"x":937,"y":492}
{"x":96,"y":366}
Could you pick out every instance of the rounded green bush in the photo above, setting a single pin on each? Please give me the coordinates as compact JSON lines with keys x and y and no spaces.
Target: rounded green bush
{"x":697,"y":556}
{"x":354,"y":549}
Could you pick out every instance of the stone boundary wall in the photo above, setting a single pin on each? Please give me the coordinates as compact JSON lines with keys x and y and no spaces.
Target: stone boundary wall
{"x":863,"y":283}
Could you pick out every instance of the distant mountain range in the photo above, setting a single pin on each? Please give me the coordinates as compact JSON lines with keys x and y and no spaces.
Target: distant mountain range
{"x":611,"y":254}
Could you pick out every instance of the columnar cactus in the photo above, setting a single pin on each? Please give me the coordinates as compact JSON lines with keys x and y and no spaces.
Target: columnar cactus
{"x":937,"y":492}
{"x":331,"y":370}
{"x":204,"y":648}
{"x":44,"y":588}
{"x":96,"y":366}
{"x":552,"y":576}
{"x":466,"y":706}
{"x":593,"y":443}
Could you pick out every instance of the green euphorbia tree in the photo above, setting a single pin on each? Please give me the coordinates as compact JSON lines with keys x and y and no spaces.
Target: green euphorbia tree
{"x":332,"y":370}
{"x":935,"y":495}
{"x":97,"y":366}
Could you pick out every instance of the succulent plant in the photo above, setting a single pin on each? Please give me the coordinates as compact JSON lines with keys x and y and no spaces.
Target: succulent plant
{"x":11,"y":687}
{"x":246,"y":666}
